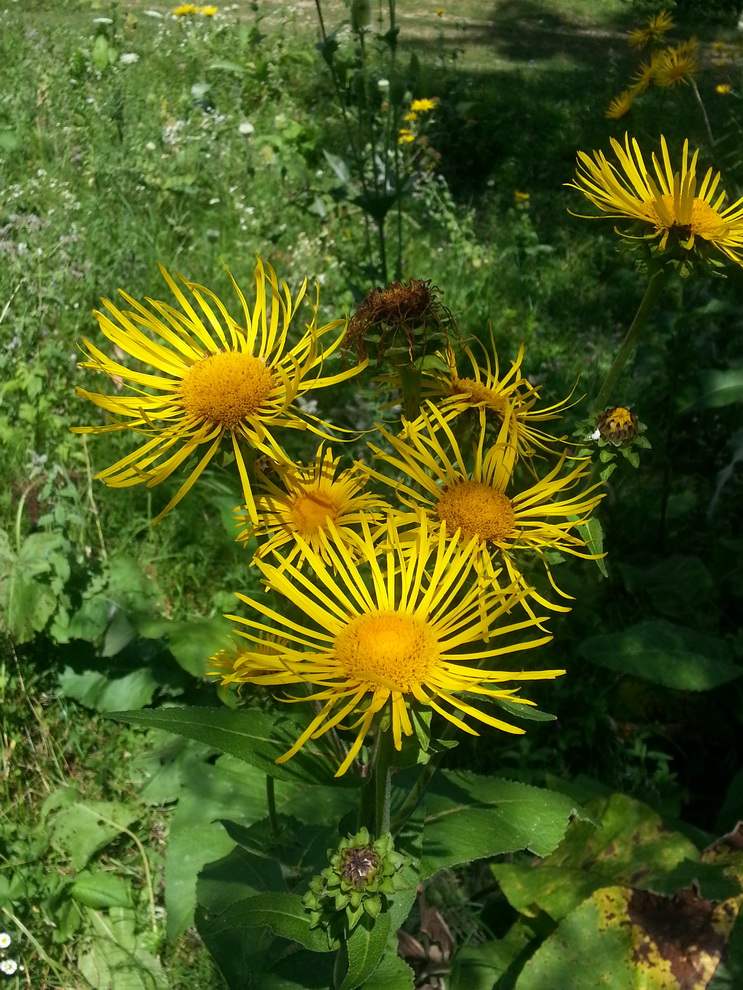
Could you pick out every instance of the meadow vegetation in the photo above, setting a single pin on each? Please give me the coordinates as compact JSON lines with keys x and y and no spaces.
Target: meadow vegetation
{"x":132,"y":137}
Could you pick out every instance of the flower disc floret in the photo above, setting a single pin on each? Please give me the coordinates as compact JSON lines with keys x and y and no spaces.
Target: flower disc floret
{"x":226,"y":388}
{"x":476,"y":509}
{"x":387,"y":648}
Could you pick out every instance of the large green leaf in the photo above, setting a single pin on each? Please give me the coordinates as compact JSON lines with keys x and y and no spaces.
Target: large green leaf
{"x":107,"y":694}
{"x":622,"y":939}
{"x":283,"y":913}
{"x":251,"y":735}
{"x":191,"y":643}
{"x":675,"y":587}
{"x":363,"y":950}
{"x":632,"y":846}
{"x":665,"y":653}
{"x":393,"y":973}
{"x":469,"y":817}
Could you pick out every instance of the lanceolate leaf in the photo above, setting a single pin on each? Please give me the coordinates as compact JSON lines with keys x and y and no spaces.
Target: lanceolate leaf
{"x":251,"y":735}
{"x":282,"y":913}
{"x":364,"y":950}
{"x":469,"y":817}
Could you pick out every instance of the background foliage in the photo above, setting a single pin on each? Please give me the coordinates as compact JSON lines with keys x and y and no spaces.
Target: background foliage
{"x":223,"y":138}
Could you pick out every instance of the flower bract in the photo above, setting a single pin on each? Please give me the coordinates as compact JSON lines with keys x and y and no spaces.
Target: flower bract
{"x":209,"y":377}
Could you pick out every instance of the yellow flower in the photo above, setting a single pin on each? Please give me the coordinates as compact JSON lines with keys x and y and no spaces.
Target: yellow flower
{"x":423,"y":106}
{"x":654,"y":30}
{"x":185,"y":9}
{"x":644,"y":75}
{"x":401,"y":634}
{"x":620,"y":105}
{"x":440,"y":11}
{"x":723,"y":89}
{"x":209,"y":11}
{"x":493,"y":395}
{"x":215,"y":375}
{"x":310,"y":500}
{"x":671,"y":203}
{"x":677,"y":64}
{"x":484,"y":501}
{"x":405,"y":136}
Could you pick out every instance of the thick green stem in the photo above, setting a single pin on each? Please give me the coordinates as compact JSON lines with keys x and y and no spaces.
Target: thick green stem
{"x":652,"y":294}
{"x":271,"y":803}
{"x":412,"y":800}
{"x":374,"y":806}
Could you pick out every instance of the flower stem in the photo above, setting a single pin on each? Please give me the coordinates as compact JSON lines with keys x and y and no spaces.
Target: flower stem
{"x":652,"y":294}
{"x":410,"y":385}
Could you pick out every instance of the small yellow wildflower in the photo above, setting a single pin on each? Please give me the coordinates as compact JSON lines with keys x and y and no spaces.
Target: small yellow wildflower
{"x":405,"y":136}
{"x":439,"y":11}
{"x":185,"y":9}
{"x":620,"y":105}
{"x":723,"y":89}
{"x":678,"y":64}
{"x":209,"y":11}
{"x":423,"y":106}
{"x":654,"y":30}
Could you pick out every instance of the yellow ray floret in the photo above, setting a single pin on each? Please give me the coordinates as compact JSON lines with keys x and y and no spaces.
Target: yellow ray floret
{"x":306,"y":501}
{"x":209,"y":376}
{"x":402,"y":631}
{"x":677,"y":209}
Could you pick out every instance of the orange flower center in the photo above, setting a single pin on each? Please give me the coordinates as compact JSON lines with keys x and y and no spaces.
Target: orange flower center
{"x":476,"y":509}
{"x":480,"y":393}
{"x":705,"y":221}
{"x":226,"y":388}
{"x":311,"y":510}
{"x":388,"y":648}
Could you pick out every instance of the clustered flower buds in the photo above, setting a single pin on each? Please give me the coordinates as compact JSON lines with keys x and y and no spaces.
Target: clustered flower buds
{"x":360,"y":876}
{"x":617,"y":425}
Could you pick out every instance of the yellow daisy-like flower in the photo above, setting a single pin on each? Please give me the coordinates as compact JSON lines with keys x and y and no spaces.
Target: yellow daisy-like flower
{"x":620,"y":105}
{"x":405,"y":136}
{"x":184,"y":9}
{"x":311,"y":499}
{"x":672,"y":203}
{"x":493,"y":395}
{"x":209,"y":11}
{"x":654,"y":30}
{"x":405,"y":631}
{"x":677,"y":65}
{"x":226,"y":663}
{"x":644,"y":75}
{"x":215,"y":376}
{"x":480,"y":501}
{"x":423,"y":106}
{"x":723,"y":89}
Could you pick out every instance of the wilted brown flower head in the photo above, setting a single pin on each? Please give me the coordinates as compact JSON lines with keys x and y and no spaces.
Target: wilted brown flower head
{"x":398,"y":321}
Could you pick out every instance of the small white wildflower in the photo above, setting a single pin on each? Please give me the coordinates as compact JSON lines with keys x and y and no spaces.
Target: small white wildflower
{"x":383,"y":83}
{"x":306,"y":405}
{"x":4,"y":940}
{"x":128,"y":58}
{"x":246,"y":128}
{"x":153,"y":13}
{"x":102,"y":20}
{"x":8,"y":966}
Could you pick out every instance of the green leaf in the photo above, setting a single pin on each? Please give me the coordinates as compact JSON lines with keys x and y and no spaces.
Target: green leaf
{"x":632,"y":846}
{"x":620,"y":938}
{"x":256,"y":737}
{"x":480,"y":967}
{"x":524,"y":711}
{"x":80,"y":831}
{"x":115,"y":956}
{"x":720,"y":388}
{"x":191,"y":643}
{"x":101,"y":890}
{"x":363,"y":950}
{"x":664,"y":653}
{"x":225,"y":65}
{"x":106,"y":694}
{"x":393,"y":973}
{"x":469,"y":817}
{"x":282,"y":913}
{"x":593,"y":533}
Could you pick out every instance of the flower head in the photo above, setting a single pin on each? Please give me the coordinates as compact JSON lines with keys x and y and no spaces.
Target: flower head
{"x":423,"y":106}
{"x":214,"y":376}
{"x":484,"y":502}
{"x":493,"y":395}
{"x":669,"y":207}
{"x":654,"y":30}
{"x":617,"y":426}
{"x":8,"y":966}
{"x":620,"y":105}
{"x":307,"y":501}
{"x":404,"y":632}
{"x":677,"y":65}
{"x":723,"y":89}
{"x":5,"y":940}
